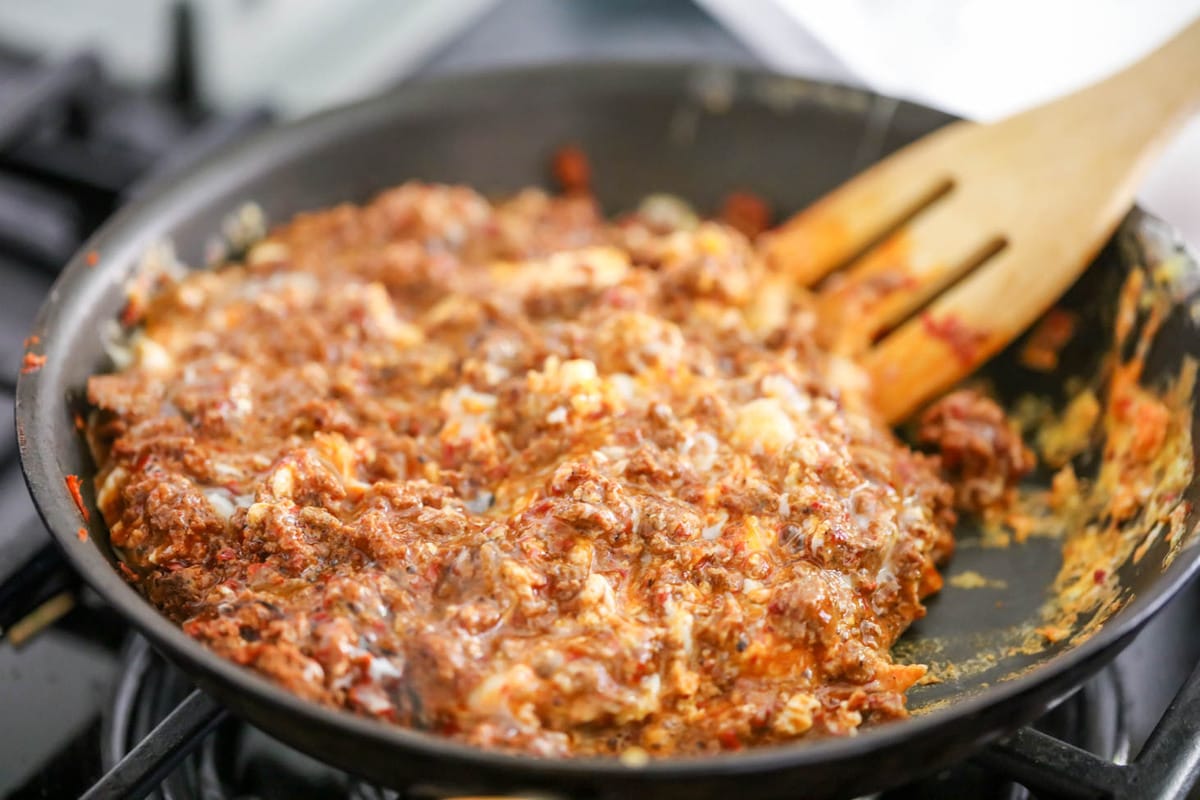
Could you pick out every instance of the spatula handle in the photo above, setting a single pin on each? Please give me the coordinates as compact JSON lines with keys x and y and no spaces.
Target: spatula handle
{"x":1134,"y":112}
{"x":1057,"y":180}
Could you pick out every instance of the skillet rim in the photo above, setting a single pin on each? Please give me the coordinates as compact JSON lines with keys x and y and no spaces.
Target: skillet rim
{"x":125,"y":235}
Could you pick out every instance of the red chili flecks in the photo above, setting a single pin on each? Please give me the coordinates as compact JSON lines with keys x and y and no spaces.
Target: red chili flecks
{"x":131,"y":314}
{"x":571,"y":170}
{"x":962,"y":341}
{"x":747,"y":212}
{"x":81,"y":534}
{"x":73,"y":484}
{"x":618,"y":298}
{"x":32,"y":363}
{"x":1099,"y":575}
{"x":1122,"y":406}
{"x":92,"y":258}
{"x":729,"y":740}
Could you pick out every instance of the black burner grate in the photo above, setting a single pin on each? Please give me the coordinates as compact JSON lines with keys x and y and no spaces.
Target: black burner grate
{"x":157,"y":721}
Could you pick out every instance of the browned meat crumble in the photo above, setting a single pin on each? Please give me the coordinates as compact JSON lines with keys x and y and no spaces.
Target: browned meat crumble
{"x":981,"y":449}
{"x":524,"y":477}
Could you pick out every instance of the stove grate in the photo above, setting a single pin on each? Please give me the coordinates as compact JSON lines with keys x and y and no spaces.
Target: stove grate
{"x":1044,"y":761}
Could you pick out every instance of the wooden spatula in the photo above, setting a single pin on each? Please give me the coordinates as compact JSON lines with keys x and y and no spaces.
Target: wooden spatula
{"x":954,"y":245}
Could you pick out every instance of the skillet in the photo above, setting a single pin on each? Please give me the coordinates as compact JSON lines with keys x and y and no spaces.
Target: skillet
{"x":698,"y":132}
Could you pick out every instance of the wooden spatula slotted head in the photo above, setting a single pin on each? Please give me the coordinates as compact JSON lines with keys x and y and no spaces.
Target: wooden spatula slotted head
{"x":934,"y":259}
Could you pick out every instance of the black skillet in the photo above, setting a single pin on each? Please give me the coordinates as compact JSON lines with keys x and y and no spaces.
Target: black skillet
{"x":698,"y":132}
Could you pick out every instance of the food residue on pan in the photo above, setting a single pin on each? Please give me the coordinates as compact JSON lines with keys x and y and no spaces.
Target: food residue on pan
{"x":73,"y":488}
{"x":1062,"y":438}
{"x":977,"y":653}
{"x":973,"y":580}
{"x":1052,"y":633}
{"x":1146,"y":467}
{"x":1051,"y":334}
{"x":1107,"y":517}
{"x":32,"y":362}
{"x":1064,"y":490}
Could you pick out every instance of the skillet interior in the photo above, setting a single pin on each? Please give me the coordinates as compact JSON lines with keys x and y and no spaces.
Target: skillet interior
{"x":695,"y":132}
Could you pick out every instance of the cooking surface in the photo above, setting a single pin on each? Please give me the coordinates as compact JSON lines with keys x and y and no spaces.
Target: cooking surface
{"x":73,"y":666}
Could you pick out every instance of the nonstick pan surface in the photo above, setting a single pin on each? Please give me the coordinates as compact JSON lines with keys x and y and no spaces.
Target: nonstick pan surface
{"x":698,"y":132}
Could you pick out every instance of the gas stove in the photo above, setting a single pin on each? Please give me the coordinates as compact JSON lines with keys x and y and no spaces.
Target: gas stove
{"x":91,"y":710}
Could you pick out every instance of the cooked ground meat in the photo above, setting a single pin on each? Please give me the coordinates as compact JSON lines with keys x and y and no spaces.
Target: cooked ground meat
{"x":981,"y":449}
{"x":524,"y":477}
